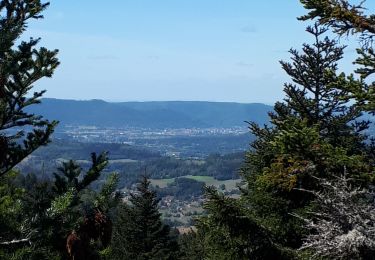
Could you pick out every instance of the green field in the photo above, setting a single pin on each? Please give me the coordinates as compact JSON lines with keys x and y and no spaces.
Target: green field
{"x":162,"y":183}
{"x":208,"y":180}
{"x":60,"y":160}
{"x":123,"y":161}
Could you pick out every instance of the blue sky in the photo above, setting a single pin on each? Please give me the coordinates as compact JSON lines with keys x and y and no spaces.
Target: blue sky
{"x":141,"y":50}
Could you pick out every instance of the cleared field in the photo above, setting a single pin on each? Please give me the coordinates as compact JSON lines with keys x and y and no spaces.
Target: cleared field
{"x":123,"y":161}
{"x":205,"y":179}
{"x":208,"y":180}
{"x":162,"y":183}
{"x":60,"y":160}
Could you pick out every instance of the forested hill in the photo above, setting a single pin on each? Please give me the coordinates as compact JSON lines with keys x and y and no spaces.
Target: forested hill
{"x":161,"y":114}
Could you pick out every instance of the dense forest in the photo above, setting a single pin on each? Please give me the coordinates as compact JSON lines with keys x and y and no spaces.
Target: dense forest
{"x":308,"y":175}
{"x":130,"y":162}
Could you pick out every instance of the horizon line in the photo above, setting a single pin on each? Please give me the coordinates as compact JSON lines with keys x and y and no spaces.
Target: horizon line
{"x":150,"y":101}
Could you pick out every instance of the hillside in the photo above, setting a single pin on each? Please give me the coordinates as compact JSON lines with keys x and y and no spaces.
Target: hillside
{"x":161,"y":114}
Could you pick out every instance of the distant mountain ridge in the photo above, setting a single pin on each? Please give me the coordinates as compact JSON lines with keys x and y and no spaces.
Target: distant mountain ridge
{"x":153,"y":114}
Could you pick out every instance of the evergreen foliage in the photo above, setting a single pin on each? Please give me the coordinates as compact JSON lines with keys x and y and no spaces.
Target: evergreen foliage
{"x":231,"y":233}
{"x":36,"y":214}
{"x":341,"y":15}
{"x":49,"y":211}
{"x":10,"y":207}
{"x":315,"y":133}
{"x":139,"y":232}
{"x":21,"y":133}
{"x":192,"y":246}
{"x":346,"y":18}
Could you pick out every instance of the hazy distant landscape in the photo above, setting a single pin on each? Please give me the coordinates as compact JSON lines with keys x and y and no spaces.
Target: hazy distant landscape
{"x":205,"y":138}
{"x":181,"y":146}
{"x":152,"y":115}
{"x":186,"y":129}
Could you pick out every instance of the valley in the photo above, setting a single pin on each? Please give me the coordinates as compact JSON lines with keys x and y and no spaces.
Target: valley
{"x":180,"y":145}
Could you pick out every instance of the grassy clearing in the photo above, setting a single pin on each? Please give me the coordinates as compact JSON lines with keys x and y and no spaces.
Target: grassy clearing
{"x":208,"y":180}
{"x":61,"y":160}
{"x":123,"y":161}
{"x":162,"y":183}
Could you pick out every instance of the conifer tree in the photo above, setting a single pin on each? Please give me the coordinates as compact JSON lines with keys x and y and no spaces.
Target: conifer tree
{"x":10,"y":207}
{"x":343,"y":227}
{"x":228,"y":231}
{"x":21,"y":66}
{"x":315,"y":132}
{"x":49,"y":212}
{"x":139,"y":232}
{"x":346,"y":18}
{"x":43,"y":214}
{"x":316,"y":94}
{"x":192,"y":245}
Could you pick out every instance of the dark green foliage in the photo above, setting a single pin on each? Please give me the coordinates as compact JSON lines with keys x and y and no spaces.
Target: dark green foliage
{"x":139,"y":232}
{"x":221,"y":167}
{"x":10,"y":206}
{"x":315,"y":132}
{"x":183,"y":189}
{"x":231,"y":233}
{"x":98,"y":164}
{"x":20,"y":68}
{"x":50,"y":211}
{"x":346,"y":18}
{"x":43,"y":213}
{"x":341,"y":15}
{"x":316,"y":95}
{"x":62,"y":148}
{"x":192,"y":245}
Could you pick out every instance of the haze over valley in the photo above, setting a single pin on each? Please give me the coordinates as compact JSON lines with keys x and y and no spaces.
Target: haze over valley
{"x":184,"y":129}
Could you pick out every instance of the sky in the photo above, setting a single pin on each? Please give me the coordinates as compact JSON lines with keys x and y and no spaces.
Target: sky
{"x":147,"y":50}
